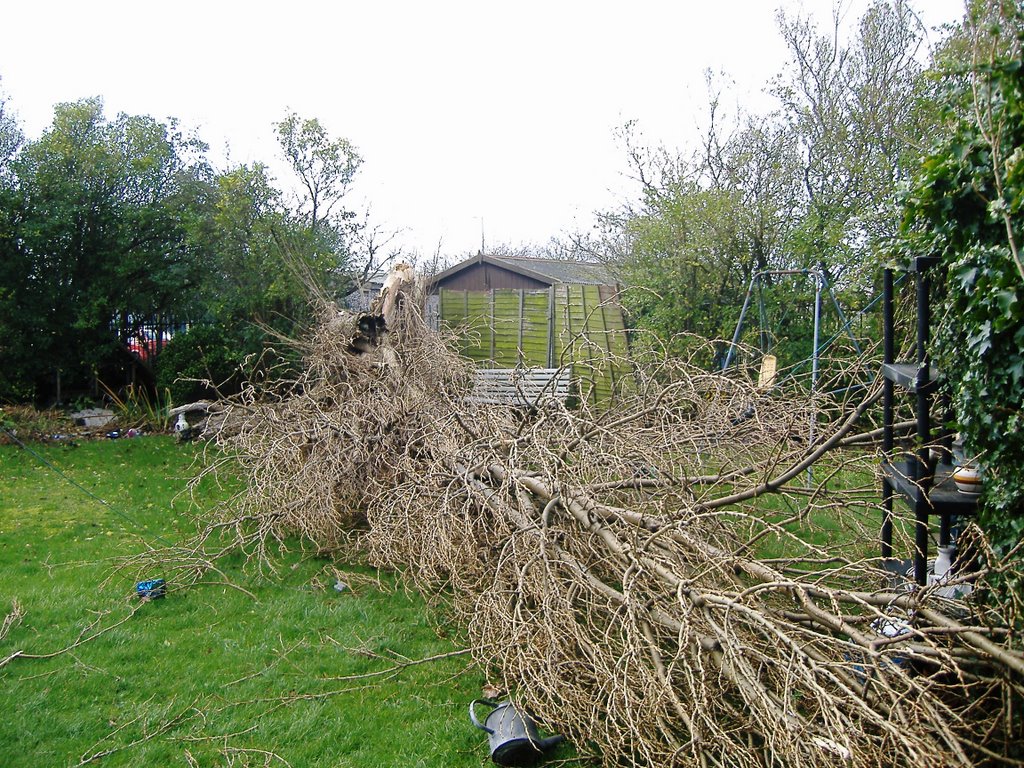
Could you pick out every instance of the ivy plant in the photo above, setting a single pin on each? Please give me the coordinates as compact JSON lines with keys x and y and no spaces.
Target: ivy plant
{"x":965,"y":205}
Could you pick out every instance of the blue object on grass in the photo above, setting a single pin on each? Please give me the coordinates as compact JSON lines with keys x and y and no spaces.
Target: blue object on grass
{"x":151,"y":589}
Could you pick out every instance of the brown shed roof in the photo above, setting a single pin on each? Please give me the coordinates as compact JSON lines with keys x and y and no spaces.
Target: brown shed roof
{"x":550,"y":271}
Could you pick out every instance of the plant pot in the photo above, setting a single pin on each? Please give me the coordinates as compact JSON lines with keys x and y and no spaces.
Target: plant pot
{"x":968,"y":480}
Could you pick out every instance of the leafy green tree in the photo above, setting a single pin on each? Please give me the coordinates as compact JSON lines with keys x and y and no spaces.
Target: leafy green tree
{"x":11,"y":139}
{"x":760,"y":163}
{"x":809,"y":186}
{"x":325,"y":169}
{"x":859,"y":114}
{"x":323,"y":238}
{"x":210,"y":360}
{"x":250,"y":278}
{"x":692,"y":255}
{"x":100,"y":237}
{"x":966,"y":205}
{"x":250,"y":292}
{"x":105,"y":224}
{"x":705,"y":226}
{"x":265,"y":254}
{"x":231,"y":229}
{"x":15,"y":355}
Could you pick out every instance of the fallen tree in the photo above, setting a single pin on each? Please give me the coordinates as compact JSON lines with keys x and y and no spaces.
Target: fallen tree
{"x":609,"y":564}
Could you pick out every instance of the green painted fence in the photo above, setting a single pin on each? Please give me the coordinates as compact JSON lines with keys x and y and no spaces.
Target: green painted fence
{"x":576,"y":325}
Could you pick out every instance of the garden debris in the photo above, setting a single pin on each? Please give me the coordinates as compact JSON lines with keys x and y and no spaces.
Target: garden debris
{"x":12,"y":619}
{"x":201,"y":419}
{"x":93,"y":417}
{"x":151,"y":589}
{"x":631,"y":608}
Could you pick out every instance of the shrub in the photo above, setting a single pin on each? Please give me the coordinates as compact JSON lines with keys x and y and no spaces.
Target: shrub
{"x":204,"y":362}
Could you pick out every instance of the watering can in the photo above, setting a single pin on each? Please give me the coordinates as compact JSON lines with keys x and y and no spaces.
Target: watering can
{"x":511,"y":734}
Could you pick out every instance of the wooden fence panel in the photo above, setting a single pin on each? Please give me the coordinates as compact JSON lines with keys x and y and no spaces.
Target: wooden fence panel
{"x":537,"y":342}
{"x":577,"y":325}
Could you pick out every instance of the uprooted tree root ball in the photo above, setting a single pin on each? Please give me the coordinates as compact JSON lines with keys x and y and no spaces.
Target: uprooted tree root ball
{"x":609,"y":563}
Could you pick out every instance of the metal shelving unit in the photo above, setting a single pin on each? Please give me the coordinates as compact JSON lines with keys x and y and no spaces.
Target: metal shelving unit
{"x":922,"y":478}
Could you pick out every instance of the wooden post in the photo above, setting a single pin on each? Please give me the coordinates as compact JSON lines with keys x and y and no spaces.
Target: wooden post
{"x":520,"y":356}
{"x":490,"y":312}
{"x":609,"y":360}
{"x":551,"y":327}
{"x":583,"y":333}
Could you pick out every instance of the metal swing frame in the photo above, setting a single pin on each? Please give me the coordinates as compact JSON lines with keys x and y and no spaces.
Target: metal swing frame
{"x":821,"y":283}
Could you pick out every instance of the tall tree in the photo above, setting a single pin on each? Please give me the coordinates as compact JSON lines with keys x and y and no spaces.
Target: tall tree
{"x":809,"y":186}
{"x":857,"y":114}
{"x":11,"y":138}
{"x":266,"y":252}
{"x":758,"y":161}
{"x":705,"y":225}
{"x":102,"y":234}
{"x":251,"y":278}
{"x":325,"y":167}
{"x":16,"y":355}
{"x":689,"y":260}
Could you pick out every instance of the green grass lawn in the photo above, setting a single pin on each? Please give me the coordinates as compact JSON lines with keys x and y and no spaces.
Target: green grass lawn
{"x":208,"y":676}
{"x":842,"y":517}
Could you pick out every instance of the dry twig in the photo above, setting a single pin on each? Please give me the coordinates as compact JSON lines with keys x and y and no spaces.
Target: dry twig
{"x":605,"y":561}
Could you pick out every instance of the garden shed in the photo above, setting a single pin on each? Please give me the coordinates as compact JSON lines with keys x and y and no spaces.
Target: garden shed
{"x":521,"y":312}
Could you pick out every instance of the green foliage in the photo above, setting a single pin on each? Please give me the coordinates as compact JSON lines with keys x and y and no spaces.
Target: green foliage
{"x":16,"y":354}
{"x":10,"y":140}
{"x":106,"y":225}
{"x":319,"y":242}
{"x":965,"y":206}
{"x":251,"y":276}
{"x":135,"y":407}
{"x":94,"y":227}
{"x":809,"y":186}
{"x":690,"y":254}
{"x":857,"y":112}
{"x":325,"y":167}
{"x":206,"y":362}
{"x":694,"y":252}
{"x":264,"y":258}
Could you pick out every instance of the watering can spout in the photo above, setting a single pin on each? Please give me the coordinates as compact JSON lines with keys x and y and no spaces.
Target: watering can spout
{"x":546,"y":745}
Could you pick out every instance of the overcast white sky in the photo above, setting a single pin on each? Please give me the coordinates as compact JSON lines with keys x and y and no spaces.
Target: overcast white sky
{"x":466,"y":113}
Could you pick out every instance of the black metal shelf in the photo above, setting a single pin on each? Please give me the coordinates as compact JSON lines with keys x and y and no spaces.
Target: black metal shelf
{"x":906,"y":375}
{"x":942,"y":498}
{"x":922,"y":263}
{"x":928,"y":496}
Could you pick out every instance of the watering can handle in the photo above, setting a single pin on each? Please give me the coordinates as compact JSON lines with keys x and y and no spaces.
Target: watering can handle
{"x":472,"y":714}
